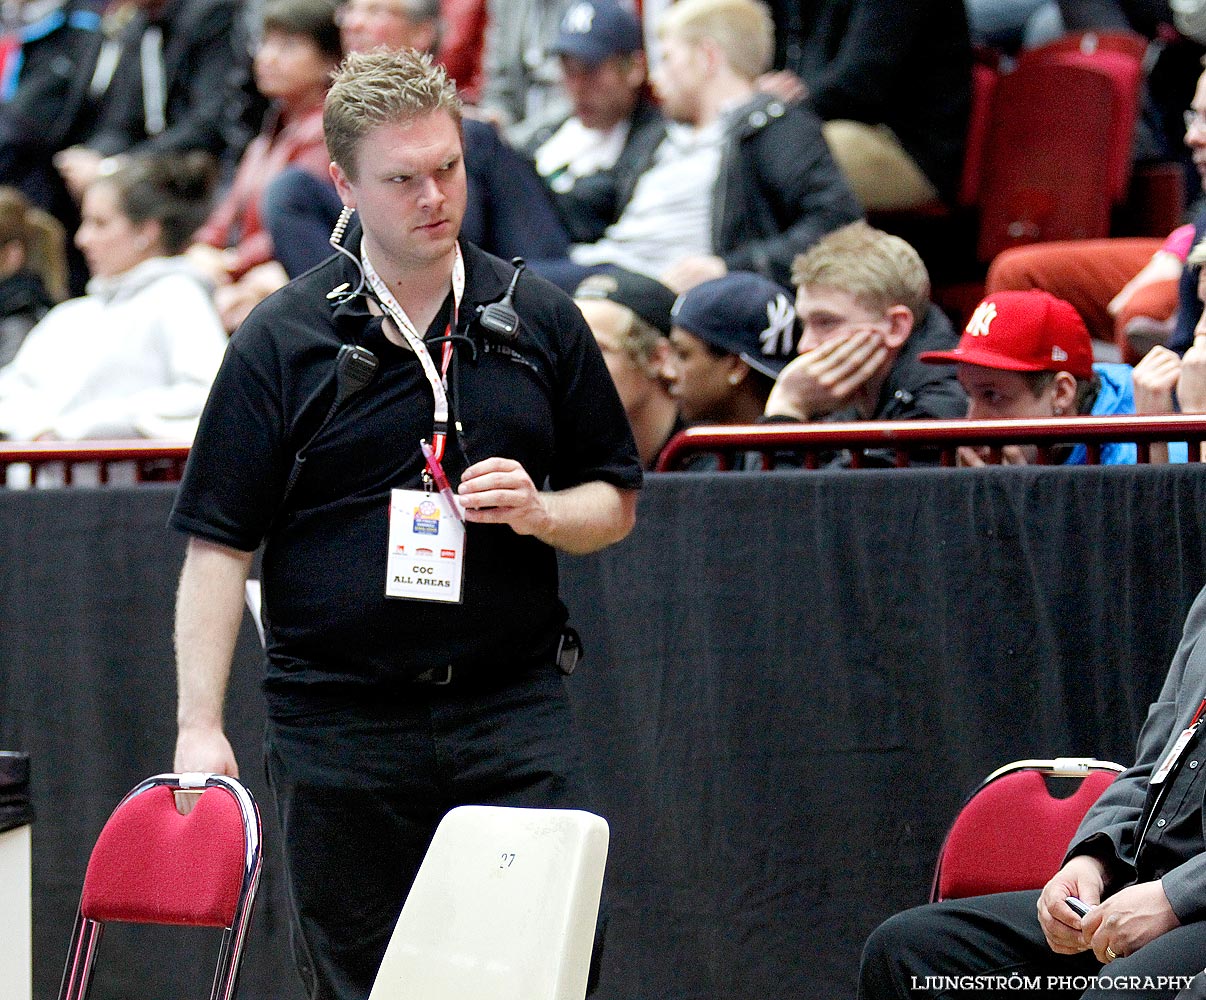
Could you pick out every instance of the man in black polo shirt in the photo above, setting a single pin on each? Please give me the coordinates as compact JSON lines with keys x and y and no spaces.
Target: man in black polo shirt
{"x":412,"y":635}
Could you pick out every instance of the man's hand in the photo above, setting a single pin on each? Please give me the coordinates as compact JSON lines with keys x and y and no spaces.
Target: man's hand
{"x":1011,"y":454}
{"x":1191,"y":388}
{"x":823,"y":380}
{"x":783,"y":84}
{"x":578,"y":520}
{"x":236,"y":300}
{"x":205,"y":750}
{"x":1155,"y":377}
{"x":500,"y":491}
{"x":79,"y":167}
{"x":1128,"y":920}
{"x":1084,"y":878}
{"x":692,"y":271}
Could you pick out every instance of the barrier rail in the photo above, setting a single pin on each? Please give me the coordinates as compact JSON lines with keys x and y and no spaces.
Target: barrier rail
{"x":160,"y":462}
{"x":811,"y":443}
{"x":63,"y":463}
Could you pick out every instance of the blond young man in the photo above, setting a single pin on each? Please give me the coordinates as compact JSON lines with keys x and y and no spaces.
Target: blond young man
{"x":390,"y":699}
{"x":863,"y":298}
{"x":743,"y":181}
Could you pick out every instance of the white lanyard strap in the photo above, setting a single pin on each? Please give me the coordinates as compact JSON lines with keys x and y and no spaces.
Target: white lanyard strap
{"x":438,"y":380}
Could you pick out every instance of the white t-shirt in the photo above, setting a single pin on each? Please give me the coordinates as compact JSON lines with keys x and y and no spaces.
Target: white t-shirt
{"x":575,"y":151}
{"x":670,"y":214}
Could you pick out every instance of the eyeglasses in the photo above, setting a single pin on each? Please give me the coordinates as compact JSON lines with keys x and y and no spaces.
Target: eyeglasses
{"x":1194,"y":118}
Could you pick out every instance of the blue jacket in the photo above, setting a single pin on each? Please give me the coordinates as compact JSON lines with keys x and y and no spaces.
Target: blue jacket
{"x":1117,"y":396}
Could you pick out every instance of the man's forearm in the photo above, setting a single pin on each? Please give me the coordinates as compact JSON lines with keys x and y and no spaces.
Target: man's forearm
{"x":209,"y":610}
{"x":588,"y":517}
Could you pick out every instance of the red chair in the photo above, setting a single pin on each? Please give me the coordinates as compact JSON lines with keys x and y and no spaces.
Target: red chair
{"x":1012,"y":833}
{"x":1047,"y":162}
{"x":1119,"y":57}
{"x":153,"y":864}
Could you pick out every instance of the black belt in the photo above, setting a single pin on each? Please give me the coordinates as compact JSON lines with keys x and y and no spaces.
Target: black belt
{"x":566,"y":657}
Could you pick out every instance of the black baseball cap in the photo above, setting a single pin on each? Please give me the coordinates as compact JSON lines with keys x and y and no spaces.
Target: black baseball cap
{"x":744,"y":314}
{"x":648,"y":298}
{"x":594,"y":30}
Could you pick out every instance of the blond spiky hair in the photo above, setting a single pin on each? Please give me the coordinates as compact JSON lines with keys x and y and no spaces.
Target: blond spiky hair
{"x":382,"y":87}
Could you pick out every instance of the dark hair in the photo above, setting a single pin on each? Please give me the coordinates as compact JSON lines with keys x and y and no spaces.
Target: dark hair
{"x":313,"y":19}
{"x":1086,"y":388}
{"x":173,"y":189}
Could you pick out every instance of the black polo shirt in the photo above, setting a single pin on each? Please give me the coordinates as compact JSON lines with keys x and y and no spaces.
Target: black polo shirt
{"x":548,"y":402}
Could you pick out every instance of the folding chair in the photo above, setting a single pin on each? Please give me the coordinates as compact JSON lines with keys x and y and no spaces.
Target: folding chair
{"x":156,"y":864}
{"x":1012,"y":833}
{"x":503,"y":908}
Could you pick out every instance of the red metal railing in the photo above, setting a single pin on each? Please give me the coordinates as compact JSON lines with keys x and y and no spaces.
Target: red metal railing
{"x":140,"y":461}
{"x":810,"y":443}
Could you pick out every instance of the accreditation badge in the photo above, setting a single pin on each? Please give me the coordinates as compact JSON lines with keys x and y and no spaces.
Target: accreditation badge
{"x":426,"y":558}
{"x":1174,"y":755}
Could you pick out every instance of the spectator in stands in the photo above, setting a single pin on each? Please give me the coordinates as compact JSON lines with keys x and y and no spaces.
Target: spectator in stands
{"x":1136,"y":862}
{"x":892,"y":81}
{"x":1028,"y":355}
{"x":1166,"y":382}
{"x":46,"y":65}
{"x":298,"y":52}
{"x":33,"y":268}
{"x":629,"y":315}
{"x":136,"y":355}
{"x":742,"y":181}
{"x":508,"y":212}
{"x":453,"y":30}
{"x":181,"y":81}
{"x":590,"y":160}
{"x":863,"y":298}
{"x":730,"y":338}
{"x":396,"y":24}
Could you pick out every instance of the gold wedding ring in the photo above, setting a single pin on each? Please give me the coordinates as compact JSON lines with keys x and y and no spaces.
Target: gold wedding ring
{"x":1110,"y":953}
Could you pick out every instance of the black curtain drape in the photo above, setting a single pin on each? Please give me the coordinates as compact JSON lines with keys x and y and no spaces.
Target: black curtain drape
{"x":791,"y":682}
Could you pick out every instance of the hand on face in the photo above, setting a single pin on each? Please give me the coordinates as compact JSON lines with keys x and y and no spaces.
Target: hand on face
{"x":824,"y":378}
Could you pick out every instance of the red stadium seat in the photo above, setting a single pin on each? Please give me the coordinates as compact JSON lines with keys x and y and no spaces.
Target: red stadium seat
{"x":1012,"y":833}
{"x":1047,"y":157}
{"x":1118,"y":56}
{"x":152,"y":864}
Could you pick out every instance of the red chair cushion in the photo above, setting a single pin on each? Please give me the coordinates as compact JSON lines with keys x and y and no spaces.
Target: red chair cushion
{"x":1013,"y":834}
{"x":152,"y":865}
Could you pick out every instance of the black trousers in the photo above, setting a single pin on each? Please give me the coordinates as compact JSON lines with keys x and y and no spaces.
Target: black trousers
{"x":922,"y":953}
{"x":360,"y":789}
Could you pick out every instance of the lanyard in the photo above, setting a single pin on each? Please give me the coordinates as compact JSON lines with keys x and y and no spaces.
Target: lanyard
{"x":438,"y":380}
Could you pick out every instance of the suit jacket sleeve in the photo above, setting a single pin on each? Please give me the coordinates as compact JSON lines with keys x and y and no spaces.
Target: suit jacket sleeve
{"x":1110,"y":829}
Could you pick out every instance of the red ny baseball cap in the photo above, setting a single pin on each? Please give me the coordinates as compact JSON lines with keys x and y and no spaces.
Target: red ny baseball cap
{"x":1029,"y":331}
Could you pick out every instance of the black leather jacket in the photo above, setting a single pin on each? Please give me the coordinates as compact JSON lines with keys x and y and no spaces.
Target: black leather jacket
{"x":596,"y":201}
{"x":778,"y":190}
